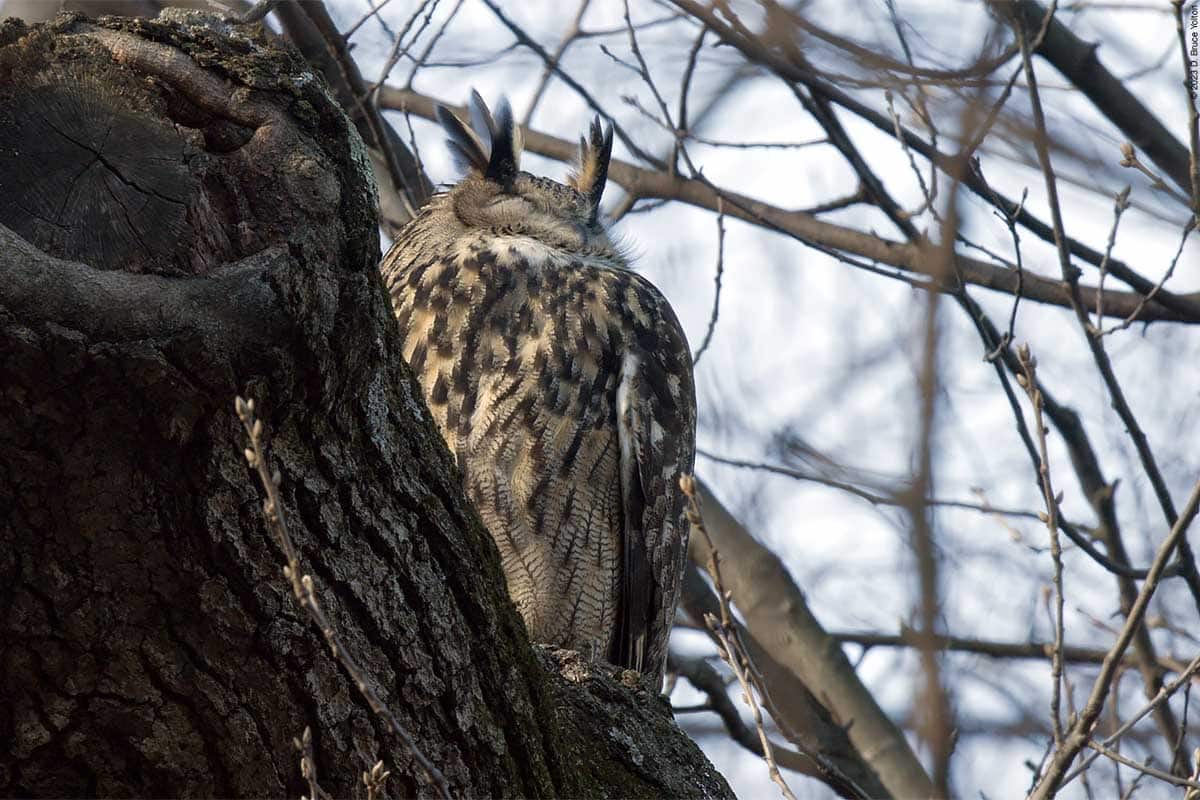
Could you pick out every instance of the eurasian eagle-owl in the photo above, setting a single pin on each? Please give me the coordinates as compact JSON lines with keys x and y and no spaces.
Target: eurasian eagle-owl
{"x":561,"y":381}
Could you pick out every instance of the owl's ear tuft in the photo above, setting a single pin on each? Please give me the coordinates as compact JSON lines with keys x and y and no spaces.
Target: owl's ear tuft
{"x":465,"y":145}
{"x":505,"y":160}
{"x":489,"y":146}
{"x":594,"y":155}
{"x":481,"y":119}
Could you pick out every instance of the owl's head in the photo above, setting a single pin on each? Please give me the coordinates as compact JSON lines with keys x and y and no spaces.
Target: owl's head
{"x":495,"y":193}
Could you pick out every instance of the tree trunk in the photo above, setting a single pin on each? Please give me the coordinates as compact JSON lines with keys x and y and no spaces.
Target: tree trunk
{"x":186,"y":215}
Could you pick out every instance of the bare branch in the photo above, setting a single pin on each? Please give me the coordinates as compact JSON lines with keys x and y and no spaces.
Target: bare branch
{"x":1028,"y":380}
{"x":1077,"y":61}
{"x":995,"y":649}
{"x":571,"y":36}
{"x":770,"y":602}
{"x":1125,"y":323}
{"x":308,"y":766}
{"x":1186,"y":676}
{"x":712,"y":320}
{"x":731,"y":648}
{"x":1095,"y":343}
{"x":754,"y":49}
{"x":1080,"y":733}
{"x":1144,"y":767}
{"x":699,"y":192}
{"x":1190,"y":78}
{"x":704,"y":677}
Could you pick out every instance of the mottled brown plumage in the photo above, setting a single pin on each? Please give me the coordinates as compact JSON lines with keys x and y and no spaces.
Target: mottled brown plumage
{"x":562,"y":382}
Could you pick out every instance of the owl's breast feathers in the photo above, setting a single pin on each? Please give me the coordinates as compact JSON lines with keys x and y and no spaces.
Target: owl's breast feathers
{"x":562,"y":382}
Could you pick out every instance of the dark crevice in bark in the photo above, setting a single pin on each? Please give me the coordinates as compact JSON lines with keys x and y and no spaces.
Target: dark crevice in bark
{"x":200,"y":729}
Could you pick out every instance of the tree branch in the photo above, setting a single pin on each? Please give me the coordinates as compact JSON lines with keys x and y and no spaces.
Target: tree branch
{"x":646,"y":184}
{"x":1076,"y":61}
{"x":774,"y":608}
{"x":1081,"y":732}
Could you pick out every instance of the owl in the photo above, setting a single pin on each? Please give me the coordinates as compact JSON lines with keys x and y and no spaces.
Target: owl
{"x":561,"y":382}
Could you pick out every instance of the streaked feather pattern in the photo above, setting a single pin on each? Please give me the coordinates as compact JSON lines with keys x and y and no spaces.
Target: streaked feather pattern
{"x":562,"y":382}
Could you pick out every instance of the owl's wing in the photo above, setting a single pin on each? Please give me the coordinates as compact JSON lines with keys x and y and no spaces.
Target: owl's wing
{"x":656,"y":414}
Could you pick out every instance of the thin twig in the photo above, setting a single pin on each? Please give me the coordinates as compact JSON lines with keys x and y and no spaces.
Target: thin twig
{"x":716,"y":307}
{"x":700,"y":192}
{"x":421,"y":60}
{"x":643,"y":70}
{"x":928,"y":191}
{"x":399,"y":49}
{"x":1120,"y":204}
{"x":1184,"y":679}
{"x":308,"y":766}
{"x":1190,"y":78}
{"x":374,"y":779}
{"x":685,"y":86}
{"x":730,"y":644}
{"x":1010,"y":220}
{"x":919,"y":106}
{"x":1144,"y":768}
{"x":838,"y":203}
{"x":1028,"y":381}
{"x":259,"y":11}
{"x":992,"y":648}
{"x":549,"y":67}
{"x":375,"y":9}
{"x":1125,"y":323}
{"x":1130,"y":160}
{"x":1080,"y":733}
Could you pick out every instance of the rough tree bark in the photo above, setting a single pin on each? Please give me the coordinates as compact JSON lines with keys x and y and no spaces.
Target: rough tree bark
{"x":185,"y":214}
